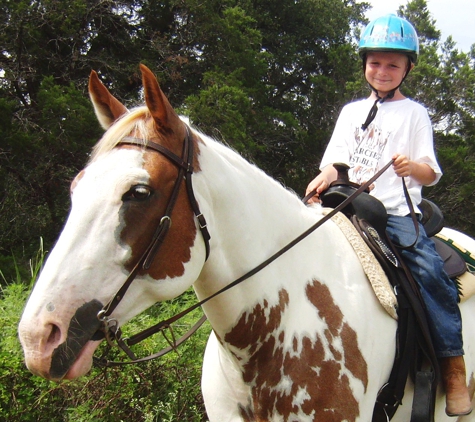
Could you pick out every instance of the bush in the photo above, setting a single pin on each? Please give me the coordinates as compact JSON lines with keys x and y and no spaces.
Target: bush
{"x":166,"y":389}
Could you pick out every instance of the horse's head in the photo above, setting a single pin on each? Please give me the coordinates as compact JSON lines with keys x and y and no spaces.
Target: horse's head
{"x":122,"y":205}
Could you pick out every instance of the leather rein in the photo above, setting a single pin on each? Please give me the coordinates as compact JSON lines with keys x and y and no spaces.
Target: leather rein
{"x":110,"y":326}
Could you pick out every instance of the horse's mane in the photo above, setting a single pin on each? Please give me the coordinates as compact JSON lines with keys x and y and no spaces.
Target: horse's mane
{"x":135,"y":121}
{"x":233,"y":156}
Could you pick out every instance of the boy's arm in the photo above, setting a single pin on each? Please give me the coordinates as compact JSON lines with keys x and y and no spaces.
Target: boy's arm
{"x":420,"y":172}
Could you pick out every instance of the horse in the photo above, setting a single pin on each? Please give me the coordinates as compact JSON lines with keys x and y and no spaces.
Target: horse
{"x":303,"y":339}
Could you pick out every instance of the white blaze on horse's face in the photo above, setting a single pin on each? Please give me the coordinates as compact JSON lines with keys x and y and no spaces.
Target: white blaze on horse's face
{"x":115,"y":209}
{"x":86,"y":262}
{"x":118,"y":201}
{"x":117,"y":204}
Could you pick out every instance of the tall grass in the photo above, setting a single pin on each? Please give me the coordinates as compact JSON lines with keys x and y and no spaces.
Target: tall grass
{"x":167,"y":389}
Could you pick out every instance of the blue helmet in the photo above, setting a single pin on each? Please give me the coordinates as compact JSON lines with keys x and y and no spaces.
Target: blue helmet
{"x":390,"y":33}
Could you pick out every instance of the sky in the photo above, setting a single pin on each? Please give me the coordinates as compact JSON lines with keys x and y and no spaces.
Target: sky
{"x":453,"y":17}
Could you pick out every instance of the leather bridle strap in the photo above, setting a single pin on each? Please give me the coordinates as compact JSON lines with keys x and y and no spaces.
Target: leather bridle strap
{"x":125,"y":343}
{"x":413,"y":215}
{"x":185,"y":170}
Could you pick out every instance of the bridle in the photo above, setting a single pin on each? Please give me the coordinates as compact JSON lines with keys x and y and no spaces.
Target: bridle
{"x":110,"y":328}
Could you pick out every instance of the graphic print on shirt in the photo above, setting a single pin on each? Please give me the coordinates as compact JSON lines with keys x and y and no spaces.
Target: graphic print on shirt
{"x":364,"y":160}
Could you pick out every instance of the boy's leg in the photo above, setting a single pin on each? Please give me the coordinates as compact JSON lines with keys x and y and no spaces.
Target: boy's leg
{"x":440,"y":297}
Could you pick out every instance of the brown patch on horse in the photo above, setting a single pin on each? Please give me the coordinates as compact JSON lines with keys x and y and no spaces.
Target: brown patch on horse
{"x":142,"y":219}
{"x":320,"y":296}
{"x":291,"y":383}
{"x":249,"y":324}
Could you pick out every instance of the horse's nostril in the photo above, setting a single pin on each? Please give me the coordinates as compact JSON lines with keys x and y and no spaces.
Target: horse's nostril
{"x":54,"y":336}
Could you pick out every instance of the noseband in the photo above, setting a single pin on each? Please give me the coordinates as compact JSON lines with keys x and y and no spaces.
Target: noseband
{"x":185,"y":170}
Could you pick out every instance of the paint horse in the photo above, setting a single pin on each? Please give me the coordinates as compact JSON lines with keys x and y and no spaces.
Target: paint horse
{"x":304,"y":339}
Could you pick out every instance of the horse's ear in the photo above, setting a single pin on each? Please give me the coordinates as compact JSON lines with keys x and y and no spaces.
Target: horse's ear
{"x":157,"y":103}
{"x":108,"y":108}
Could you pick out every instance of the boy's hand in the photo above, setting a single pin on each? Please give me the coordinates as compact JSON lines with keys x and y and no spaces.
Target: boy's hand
{"x":420,"y":172}
{"x":319,"y":184}
{"x":402,"y":165}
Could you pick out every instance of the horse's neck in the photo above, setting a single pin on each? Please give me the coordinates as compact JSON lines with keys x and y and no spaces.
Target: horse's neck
{"x":250,"y":218}
{"x":244,"y":193}
{"x":250,"y":210}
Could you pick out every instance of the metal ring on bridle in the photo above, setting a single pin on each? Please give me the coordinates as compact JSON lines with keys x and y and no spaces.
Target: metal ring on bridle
{"x":164,"y":218}
{"x":101,"y":315}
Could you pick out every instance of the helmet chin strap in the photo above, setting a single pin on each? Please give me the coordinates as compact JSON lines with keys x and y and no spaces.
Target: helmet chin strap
{"x":379,"y":99}
{"x":374,"y":109}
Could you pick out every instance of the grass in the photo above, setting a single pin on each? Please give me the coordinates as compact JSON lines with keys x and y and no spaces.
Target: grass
{"x":166,"y":389}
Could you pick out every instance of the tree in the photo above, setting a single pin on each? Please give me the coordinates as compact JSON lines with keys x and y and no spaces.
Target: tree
{"x":278,"y":81}
{"x":261,"y":75}
{"x":48,"y":126}
{"x":443,"y":81}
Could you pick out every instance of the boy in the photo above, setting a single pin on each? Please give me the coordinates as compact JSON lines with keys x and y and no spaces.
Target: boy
{"x":368,"y":134}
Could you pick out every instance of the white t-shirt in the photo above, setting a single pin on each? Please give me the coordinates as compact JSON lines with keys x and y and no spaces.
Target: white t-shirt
{"x":400,"y":127}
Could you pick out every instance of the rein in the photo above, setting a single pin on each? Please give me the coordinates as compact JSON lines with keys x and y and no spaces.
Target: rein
{"x":113,"y":332}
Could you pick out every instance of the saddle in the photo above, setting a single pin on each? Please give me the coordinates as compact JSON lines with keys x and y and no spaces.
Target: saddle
{"x":415,"y":354}
{"x":371,"y":213}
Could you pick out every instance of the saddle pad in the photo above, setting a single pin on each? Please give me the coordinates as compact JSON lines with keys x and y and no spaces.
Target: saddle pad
{"x":466,"y":285}
{"x":466,"y":281}
{"x":373,"y":270}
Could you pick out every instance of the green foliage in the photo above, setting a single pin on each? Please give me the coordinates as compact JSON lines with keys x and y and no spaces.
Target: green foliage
{"x":228,"y":107}
{"x":39,"y":158}
{"x":167,"y":389}
{"x":267,"y":77}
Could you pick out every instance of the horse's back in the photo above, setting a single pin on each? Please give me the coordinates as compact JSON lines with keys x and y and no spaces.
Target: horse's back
{"x":459,"y":238}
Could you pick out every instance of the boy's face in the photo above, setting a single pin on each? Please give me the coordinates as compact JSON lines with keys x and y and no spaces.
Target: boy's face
{"x":385,"y":71}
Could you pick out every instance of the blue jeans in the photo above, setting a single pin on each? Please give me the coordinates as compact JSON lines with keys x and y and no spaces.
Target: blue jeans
{"x":438,"y":291}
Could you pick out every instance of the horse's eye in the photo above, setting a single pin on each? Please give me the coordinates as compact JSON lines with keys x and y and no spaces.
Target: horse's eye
{"x":138,"y":193}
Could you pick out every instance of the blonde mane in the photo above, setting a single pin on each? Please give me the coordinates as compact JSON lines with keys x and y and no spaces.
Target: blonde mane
{"x":135,"y":121}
